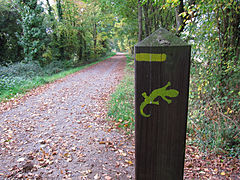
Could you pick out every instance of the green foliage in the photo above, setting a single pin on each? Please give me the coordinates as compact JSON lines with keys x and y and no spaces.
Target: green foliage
{"x":72,"y":36}
{"x":26,"y":70}
{"x":34,"y":33}
{"x":125,"y":35}
{"x":214,"y":89}
{"x":99,"y":30}
{"x":154,"y":15}
{"x":124,"y":30}
{"x":71,"y":31}
{"x":121,"y":105}
{"x":18,"y":77}
{"x":10,"y":51}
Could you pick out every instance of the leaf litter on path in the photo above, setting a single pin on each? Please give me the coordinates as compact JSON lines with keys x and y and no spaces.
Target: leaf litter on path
{"x":62,"y":132}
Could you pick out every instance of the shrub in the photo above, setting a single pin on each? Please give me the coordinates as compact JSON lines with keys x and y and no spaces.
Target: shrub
{"x":28,"y":70}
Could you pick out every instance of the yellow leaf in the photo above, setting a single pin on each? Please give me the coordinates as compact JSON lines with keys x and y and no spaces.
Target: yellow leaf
{"x":66,"y":154}
{"x":183,"y":14}
{"x":223,"y":173}
{"x":172,"y":1}
{"x":129,"y":162}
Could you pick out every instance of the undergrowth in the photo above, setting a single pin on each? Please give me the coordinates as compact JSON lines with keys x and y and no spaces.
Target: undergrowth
{"x":121,"y":105}
{"x":18,"y":78}
{"x":211,"y":126}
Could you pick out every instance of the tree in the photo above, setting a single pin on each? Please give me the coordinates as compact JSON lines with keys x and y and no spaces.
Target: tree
{"x":10,"y":51}
{"x":211,"y":27}
{"x":140,"y":32}
{"x":32,"y":38}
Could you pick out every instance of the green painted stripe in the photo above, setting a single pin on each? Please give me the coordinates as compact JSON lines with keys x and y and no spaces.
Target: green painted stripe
{"x":149,"y":57}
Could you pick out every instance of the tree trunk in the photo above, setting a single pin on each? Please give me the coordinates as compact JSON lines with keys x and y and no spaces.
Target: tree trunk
{"x":155,"y":11}
{"x":235,"y":41}
{"x":179,"y":19}
{"x":145,"y":9}
{"x":80,"y":50}
{"x":151,"y":18}
{"x":60,"y":14}
{"x":59,"y":10}
{"x":49,"y":8}
{"x":94,"y":37}
{"x":139,"y":21}
{"x":228,"y":31}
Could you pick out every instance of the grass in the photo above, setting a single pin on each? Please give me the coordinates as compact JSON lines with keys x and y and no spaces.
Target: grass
{"x":20,"y":88}
{"x":121,"y":105}
{"x":13,"y":85}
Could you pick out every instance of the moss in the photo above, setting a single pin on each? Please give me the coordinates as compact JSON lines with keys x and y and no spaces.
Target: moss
{"x":162,"y":37}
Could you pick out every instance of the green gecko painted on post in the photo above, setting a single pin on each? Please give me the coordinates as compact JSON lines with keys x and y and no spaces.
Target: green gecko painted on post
{"x":162,"y":92}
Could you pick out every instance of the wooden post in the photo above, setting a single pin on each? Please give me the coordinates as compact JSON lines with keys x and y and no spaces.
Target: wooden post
{"x":162,"y":63}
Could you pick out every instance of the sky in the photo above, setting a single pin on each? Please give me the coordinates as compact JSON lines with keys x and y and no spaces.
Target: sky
{"x":45,"y":2}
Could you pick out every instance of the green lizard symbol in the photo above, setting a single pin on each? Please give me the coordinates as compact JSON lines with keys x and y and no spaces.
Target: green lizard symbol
{"x":162,"y":92}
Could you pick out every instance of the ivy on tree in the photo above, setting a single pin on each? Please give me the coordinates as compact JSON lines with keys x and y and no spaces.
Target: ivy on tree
{"x":32,"y":38}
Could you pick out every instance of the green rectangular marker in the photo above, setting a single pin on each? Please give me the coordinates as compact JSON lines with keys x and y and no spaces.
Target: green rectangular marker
{"x":149,"y":57}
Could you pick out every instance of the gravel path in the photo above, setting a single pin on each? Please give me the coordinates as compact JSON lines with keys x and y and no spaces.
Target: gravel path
{"x":62,"y":132}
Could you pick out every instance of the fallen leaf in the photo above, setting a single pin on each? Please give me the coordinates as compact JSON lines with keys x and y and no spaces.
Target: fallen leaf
{"x":223,"y":173}
{"x":107,"y":177}
{"x":96,"y":176}
{"x":129,"y":162}
{"x":21,"y":159}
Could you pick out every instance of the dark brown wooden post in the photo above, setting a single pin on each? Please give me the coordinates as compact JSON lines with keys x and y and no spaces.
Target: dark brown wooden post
{"x":162,"y":63}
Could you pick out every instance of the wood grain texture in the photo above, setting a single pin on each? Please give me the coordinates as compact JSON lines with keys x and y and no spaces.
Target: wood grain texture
{"x":160,"y":138}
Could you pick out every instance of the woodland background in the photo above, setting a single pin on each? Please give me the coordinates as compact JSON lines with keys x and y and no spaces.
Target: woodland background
{"x":40,"y":39}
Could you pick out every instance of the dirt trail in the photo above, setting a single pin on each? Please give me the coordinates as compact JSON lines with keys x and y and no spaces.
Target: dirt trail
{"x":62,"y":132}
